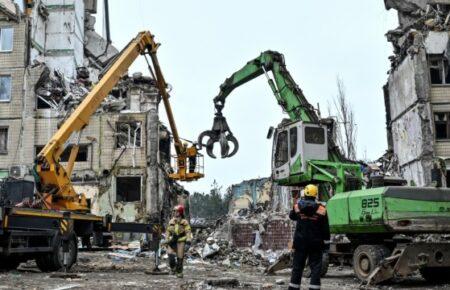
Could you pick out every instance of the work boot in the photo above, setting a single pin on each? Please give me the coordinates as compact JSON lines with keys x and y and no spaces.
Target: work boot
{"x":179,"y":268}
{"x":172,"y":263}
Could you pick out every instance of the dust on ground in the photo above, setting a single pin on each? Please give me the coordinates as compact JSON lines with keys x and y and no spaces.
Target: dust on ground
{"x":101,"y":270}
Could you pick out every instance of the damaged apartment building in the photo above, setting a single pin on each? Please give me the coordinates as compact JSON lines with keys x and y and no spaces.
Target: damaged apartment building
{"x":50,"y":57}
{"x":417,"y":94}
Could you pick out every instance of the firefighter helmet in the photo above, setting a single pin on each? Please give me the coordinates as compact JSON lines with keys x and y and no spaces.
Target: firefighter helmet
{"x":180,"y":209}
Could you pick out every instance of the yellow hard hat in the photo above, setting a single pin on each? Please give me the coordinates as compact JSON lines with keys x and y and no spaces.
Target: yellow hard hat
{"x":311,"y":190}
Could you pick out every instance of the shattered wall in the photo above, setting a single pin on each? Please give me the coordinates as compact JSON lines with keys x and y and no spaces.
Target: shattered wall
{"x":124,"y":156}
{"x":273,"y":232}
{"x":418,"y":87}
{"x":261,"y":192}
{"x":259,"y":213}
{"x":57,"y":34}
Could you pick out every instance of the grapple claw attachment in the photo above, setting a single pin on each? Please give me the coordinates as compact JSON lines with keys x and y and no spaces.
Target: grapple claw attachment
{"x":220,"y":133}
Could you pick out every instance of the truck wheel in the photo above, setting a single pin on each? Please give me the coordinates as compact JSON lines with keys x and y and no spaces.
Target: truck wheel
{"x":325,"y":263}
{"x":54,"y":261}
{"x":436,"y":274}
{"x":366,"y":258}
{"x":8,"y":263}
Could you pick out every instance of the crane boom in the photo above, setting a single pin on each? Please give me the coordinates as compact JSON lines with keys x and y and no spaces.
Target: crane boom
{"x":53,"y":180}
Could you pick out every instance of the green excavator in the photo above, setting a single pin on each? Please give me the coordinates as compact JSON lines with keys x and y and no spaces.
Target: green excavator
{"x":378,"y":225}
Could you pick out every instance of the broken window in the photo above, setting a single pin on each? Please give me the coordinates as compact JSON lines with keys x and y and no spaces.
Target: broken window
{"x":439,"y":73}
{"x":51,"y":91}
{"x":293,"y":140}
{"x":128,"y":134}
{"x":164,"y":147}
{"x":281,"y":153}
{"x":81,"y":156}
{"x":128,"y":188}
{"x":42,"y":103}
{"x":3,"y":140}
{"x":447,"y":178}
{"x":314,"y":135}
{"x":6,"y":39}
{"x":442,"y":126}
{"x":5,"y":88}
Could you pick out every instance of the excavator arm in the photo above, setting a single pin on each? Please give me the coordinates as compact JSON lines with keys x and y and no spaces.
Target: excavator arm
{"x":53,"y":180}
{"x":288,"y":94}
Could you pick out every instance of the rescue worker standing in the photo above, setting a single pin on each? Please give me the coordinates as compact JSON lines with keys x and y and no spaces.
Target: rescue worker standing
{"x":178,"y":237}
{"x":310,"y":235}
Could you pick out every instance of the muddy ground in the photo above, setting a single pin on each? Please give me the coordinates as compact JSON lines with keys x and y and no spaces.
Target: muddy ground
{"x":98,"y":270}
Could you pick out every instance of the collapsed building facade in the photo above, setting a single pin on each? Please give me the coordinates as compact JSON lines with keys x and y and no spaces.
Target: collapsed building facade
{"x":417,"y":94}
{"x":49,"y":60}
{"x":258,"y":214}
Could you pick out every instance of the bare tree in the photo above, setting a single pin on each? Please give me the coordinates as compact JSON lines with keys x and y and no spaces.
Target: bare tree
{"x":346,"y":130}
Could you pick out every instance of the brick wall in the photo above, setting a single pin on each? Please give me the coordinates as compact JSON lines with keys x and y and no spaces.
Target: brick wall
{"x":277,"y":234}
{"x":242,"y":234}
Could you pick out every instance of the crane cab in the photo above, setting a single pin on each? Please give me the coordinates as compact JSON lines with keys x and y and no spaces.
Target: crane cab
{"x":295,"y":143}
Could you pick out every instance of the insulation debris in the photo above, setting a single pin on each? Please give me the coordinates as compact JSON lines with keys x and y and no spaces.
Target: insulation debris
{"x":63,"y":94}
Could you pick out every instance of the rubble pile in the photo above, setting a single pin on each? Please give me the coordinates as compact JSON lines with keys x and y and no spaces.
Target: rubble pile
{"x":64,"y":94}
{"x":214,"y":245}
{"x":417,"y":19}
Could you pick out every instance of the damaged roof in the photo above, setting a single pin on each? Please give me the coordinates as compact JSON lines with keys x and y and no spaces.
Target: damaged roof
{"x":406,"y":5}
{"x":10,"y":9}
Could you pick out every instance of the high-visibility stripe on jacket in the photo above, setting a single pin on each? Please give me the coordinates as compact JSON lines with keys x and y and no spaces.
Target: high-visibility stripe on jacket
{"x":179,"y":230}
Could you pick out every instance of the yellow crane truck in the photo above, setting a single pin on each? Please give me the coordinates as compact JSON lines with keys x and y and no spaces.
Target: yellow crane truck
{"x":48,"y":228}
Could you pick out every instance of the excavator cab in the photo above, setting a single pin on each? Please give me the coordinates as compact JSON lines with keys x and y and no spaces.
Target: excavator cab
{"x":295,"y":143}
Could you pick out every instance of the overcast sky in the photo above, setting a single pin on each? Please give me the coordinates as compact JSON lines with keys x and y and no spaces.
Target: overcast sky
{"x":203,"y":42}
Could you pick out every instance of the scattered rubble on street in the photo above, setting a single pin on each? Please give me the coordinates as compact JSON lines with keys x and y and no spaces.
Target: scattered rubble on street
{"x":107,"y":270}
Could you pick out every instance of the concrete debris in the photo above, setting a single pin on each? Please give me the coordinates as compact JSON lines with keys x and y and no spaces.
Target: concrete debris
{"x":216,"y":244}
{"x":420,"y":24}
{"x":282,"y":262}
{"x":223,"y":282}
{"x":98,"y":49}
{"x":51,"y":87}
{"x":407,"y":6}
{"x":62,"y":94}
{"x":121,"y":255}
{"x":11,"y":9}
{"x":258,"y":195}
{"x":210,"y":249}
{"x":415,"y":92}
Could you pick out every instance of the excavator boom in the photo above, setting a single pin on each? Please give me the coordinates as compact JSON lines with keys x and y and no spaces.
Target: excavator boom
{"x":288,"y":94}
